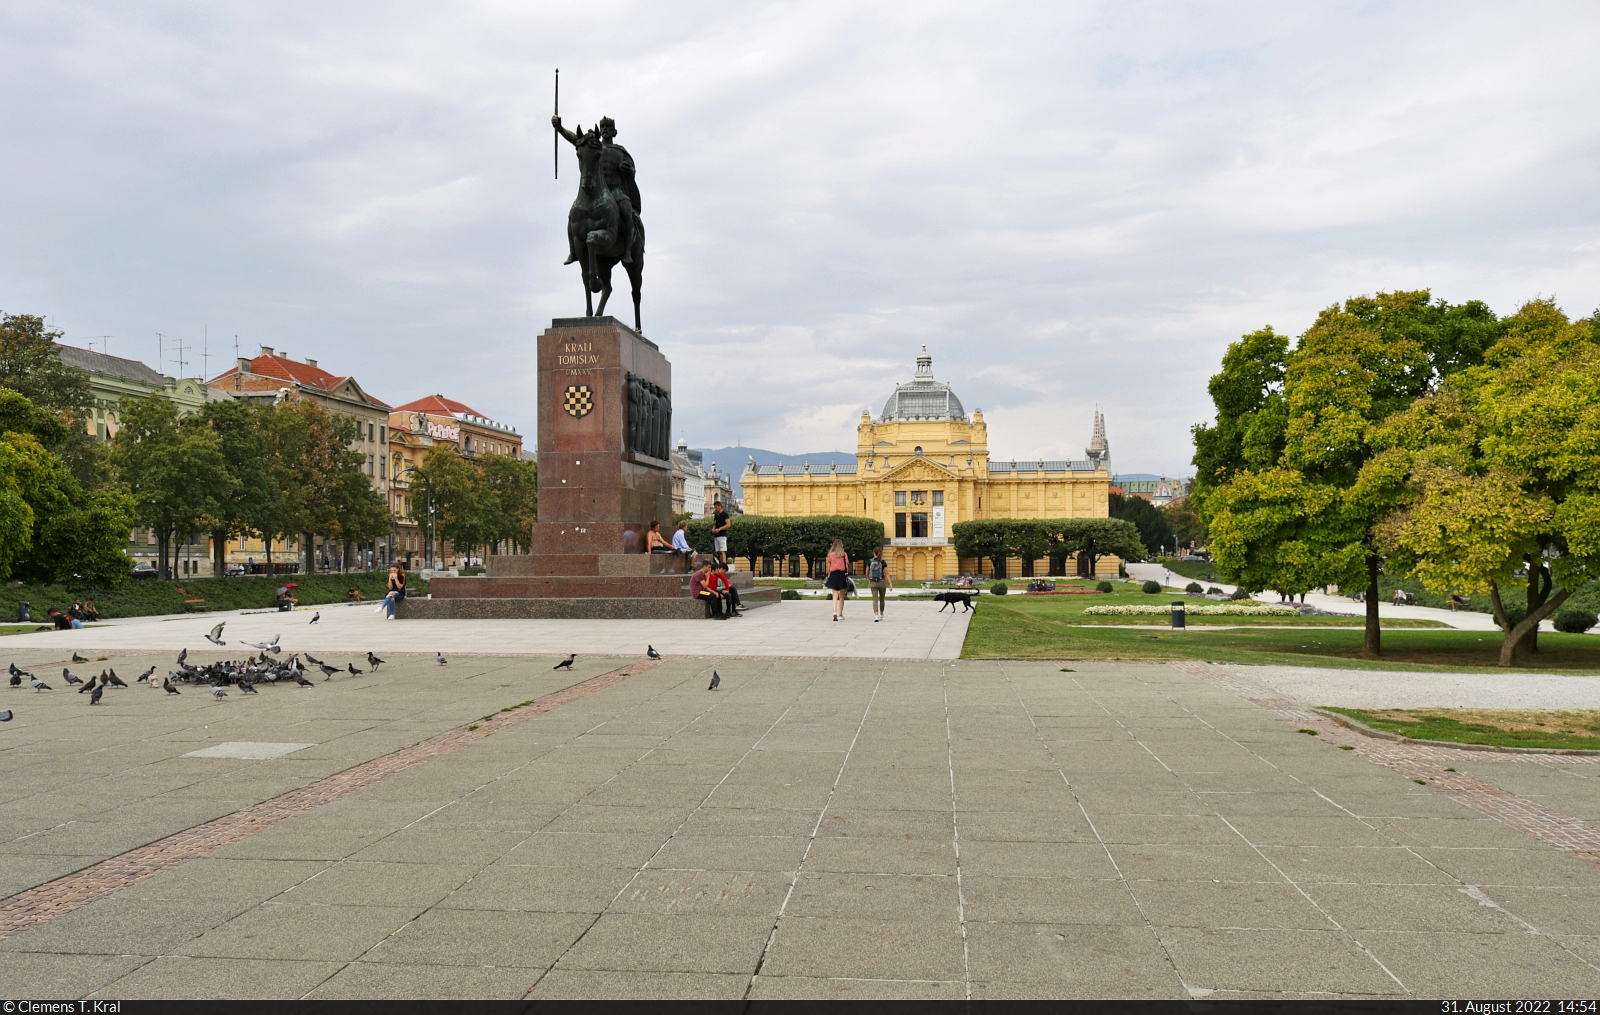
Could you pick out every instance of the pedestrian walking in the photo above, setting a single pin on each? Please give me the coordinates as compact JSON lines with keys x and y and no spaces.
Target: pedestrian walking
{"x":879,"y":581}
{"x":838,"y":576}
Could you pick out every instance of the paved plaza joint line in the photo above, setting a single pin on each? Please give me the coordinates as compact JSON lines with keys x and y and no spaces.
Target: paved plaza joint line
{"x":822,"y":828}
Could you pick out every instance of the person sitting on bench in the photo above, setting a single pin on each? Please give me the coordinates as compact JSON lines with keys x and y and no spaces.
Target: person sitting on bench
{"x":700,"y":588}
{"x":655,"y":542}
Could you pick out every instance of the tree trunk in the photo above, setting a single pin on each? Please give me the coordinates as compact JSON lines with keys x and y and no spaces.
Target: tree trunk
{"x":1371,"y":644}
{"x":267,"y":542}
{"x":219,"y":554}
{"x":1522,"y":640}
{"x":311,"y":552}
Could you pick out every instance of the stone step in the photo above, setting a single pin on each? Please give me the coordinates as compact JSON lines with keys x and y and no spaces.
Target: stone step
{"x":585,"y":608}
{"x":663,"y":586}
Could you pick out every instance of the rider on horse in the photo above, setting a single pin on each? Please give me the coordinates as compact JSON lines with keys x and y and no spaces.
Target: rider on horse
{"x":616,"y":175}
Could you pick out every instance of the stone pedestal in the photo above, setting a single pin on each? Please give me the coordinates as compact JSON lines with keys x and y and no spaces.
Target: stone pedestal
{"x":605,"y":427}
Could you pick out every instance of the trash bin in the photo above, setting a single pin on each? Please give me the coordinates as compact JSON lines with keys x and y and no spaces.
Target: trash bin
{"x":24,"y":613}
{"x":1178,"y":615}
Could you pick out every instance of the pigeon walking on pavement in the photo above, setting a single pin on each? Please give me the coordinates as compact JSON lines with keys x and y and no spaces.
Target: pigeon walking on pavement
{"x":166,"y":685}
{"x":312,"y":659}
{"x":94,"y":699}
{"x":70,"y":677}
{"x":327,"y":671}
{"x":716,"y":681}
{"x":88,"y":686}
{"x":218,"y":692}
{"x":78,"y":659}
{"x":353,"y":671}
{"x":39,"y":685}
{"x":650,"y":650}
{"x":301,"y":680}
{"x":442,"y":660}
{"x":182,"y":656}
{"x":16,"y":677}
{"x":215,"y":637}
{"x":113,"y":679}
{"x":565,"y":664}
{"x":374,"y":662}
{"x":316,"y":616}
{"x":147,"y":674}
{"x":5,"y":715}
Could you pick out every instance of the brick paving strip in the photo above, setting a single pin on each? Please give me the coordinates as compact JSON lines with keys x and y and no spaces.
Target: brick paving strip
{"x":39,"y":905}
{"x":1427,"y":763}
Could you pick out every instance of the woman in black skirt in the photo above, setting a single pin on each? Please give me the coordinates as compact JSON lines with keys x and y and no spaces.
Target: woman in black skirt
{"x":838,"y":576}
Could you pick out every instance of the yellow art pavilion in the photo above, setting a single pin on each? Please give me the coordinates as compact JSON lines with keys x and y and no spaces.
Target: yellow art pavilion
{"x":922,"y":466}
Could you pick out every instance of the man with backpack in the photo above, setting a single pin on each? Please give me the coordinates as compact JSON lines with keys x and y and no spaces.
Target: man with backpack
{"x":880,"y":582}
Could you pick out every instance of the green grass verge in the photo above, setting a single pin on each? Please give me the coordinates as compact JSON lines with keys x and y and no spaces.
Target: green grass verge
{"x":1070,"y":610}
{"x":1554,"y":730}
{"x":1003,"y":630}
{"x":148,"y":598}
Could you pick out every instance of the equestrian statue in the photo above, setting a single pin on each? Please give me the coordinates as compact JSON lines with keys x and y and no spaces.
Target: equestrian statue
{"x":603,"y":226}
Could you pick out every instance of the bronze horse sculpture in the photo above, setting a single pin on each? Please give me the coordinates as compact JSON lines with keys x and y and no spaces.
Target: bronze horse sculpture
{"x":604,"y":227}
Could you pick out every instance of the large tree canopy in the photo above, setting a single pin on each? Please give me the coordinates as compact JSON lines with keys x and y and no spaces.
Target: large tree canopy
{"x":1504,"y":466}
{"x":1292,"y":479}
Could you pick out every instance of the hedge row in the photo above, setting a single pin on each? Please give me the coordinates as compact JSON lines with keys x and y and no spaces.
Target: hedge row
{"x":148,"y":598}
{"x":755,"y":536}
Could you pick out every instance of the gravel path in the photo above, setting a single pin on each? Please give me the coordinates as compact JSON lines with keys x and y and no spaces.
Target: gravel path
{"x":1392,"y":689}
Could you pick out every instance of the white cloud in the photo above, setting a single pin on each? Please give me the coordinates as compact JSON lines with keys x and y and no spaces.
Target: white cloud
{"x":1072,"y":205}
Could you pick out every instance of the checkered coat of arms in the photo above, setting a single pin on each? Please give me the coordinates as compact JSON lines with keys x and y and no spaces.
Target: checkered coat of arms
{"x":578,"y":400}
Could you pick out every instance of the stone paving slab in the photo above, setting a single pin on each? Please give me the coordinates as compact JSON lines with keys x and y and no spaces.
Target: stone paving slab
{"x":814,"y":829}
{"x":910,"y":630}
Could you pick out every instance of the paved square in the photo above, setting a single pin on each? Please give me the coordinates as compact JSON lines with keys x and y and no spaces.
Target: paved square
{"x":816,"y":828}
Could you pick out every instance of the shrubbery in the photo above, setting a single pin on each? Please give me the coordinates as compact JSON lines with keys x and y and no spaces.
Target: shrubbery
{"x":1218,"y":610}
{"x":1151,"y":588}
{"x":999,"y":588}
{"x":1193,"y":587}
{"x":1103,"y":587}
{"x":1239,"y":594}
{"x":150,"y":598}
{"x":1571,"y":621}
{"x":1214,"y":591}
{"x":789,"y":594}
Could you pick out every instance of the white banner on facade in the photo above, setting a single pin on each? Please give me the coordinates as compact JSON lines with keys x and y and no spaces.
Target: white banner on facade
{"x":937,"y":530}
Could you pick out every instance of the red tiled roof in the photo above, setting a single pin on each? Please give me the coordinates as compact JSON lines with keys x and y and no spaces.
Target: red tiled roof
{"x":287,"y":369}
{"x":440,"y":404}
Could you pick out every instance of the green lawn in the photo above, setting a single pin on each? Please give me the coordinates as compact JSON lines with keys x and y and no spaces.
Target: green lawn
{"x":1059,"y":609}
{"x":146,"y":598}
{"x":1008,"y":629}
{"x":1559,"y":730}
{"x":19,"y":629}
{"x":1202,"y":571}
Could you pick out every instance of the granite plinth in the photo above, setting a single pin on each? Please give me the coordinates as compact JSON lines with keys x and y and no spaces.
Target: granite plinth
{"x":571,"y":586}
{"x":609,"y":564}
{"x":680,"y":608}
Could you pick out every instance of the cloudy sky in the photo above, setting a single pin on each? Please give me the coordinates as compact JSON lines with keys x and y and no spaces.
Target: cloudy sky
{"x":1072,"y":204}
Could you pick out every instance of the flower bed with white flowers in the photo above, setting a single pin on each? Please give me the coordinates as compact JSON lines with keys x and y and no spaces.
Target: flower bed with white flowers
{"x":1221,"y":610}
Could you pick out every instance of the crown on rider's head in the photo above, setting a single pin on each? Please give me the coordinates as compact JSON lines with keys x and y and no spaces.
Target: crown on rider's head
{"x":606,"y":121}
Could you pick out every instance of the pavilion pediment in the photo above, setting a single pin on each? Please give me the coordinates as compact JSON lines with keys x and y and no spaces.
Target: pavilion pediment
{"x":919,"y":470}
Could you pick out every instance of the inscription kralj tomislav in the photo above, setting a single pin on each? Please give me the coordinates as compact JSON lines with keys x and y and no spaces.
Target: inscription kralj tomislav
{"x":604,"y":226}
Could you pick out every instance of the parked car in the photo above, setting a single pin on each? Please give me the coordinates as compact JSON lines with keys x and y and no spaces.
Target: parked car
{"x":143,"y":570}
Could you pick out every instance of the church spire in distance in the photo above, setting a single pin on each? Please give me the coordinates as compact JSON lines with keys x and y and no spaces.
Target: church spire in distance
{"x":1099,"y":451}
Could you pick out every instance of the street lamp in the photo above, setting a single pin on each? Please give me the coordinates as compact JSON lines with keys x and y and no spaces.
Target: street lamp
{"x":427,"y":482}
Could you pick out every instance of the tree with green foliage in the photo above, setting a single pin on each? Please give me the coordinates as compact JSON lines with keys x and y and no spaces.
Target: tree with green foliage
{"x":27,"y":473}
{"x":1504,"y":466}
{"x":174,"y":469}
{"x":30,"y":364}
{"x":1096,"y":538}
{"x":466,"y":511}
{"x":1154,"y":532}
{"x":514,"y":484}
{"x":980,"y":538}
{"x":1186,"y":524}
{"x":325,"y":490}
{"x":242,"y":441}
{"x":1291,"y":479}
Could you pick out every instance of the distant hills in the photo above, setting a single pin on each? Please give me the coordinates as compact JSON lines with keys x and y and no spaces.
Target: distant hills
{"x":733,"y":460}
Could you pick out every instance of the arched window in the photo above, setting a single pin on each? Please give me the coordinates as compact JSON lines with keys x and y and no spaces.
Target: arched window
{"x":919,"y":449}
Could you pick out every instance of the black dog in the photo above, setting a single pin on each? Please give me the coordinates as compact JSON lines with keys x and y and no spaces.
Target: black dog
{"x":950,"y":599}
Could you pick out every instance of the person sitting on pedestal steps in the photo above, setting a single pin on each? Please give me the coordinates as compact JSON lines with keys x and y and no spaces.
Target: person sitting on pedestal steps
{"x":700,"y":588}
{"x":680,"y":540}
{"x":724,"y":587}
{"x":655,"y":542}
